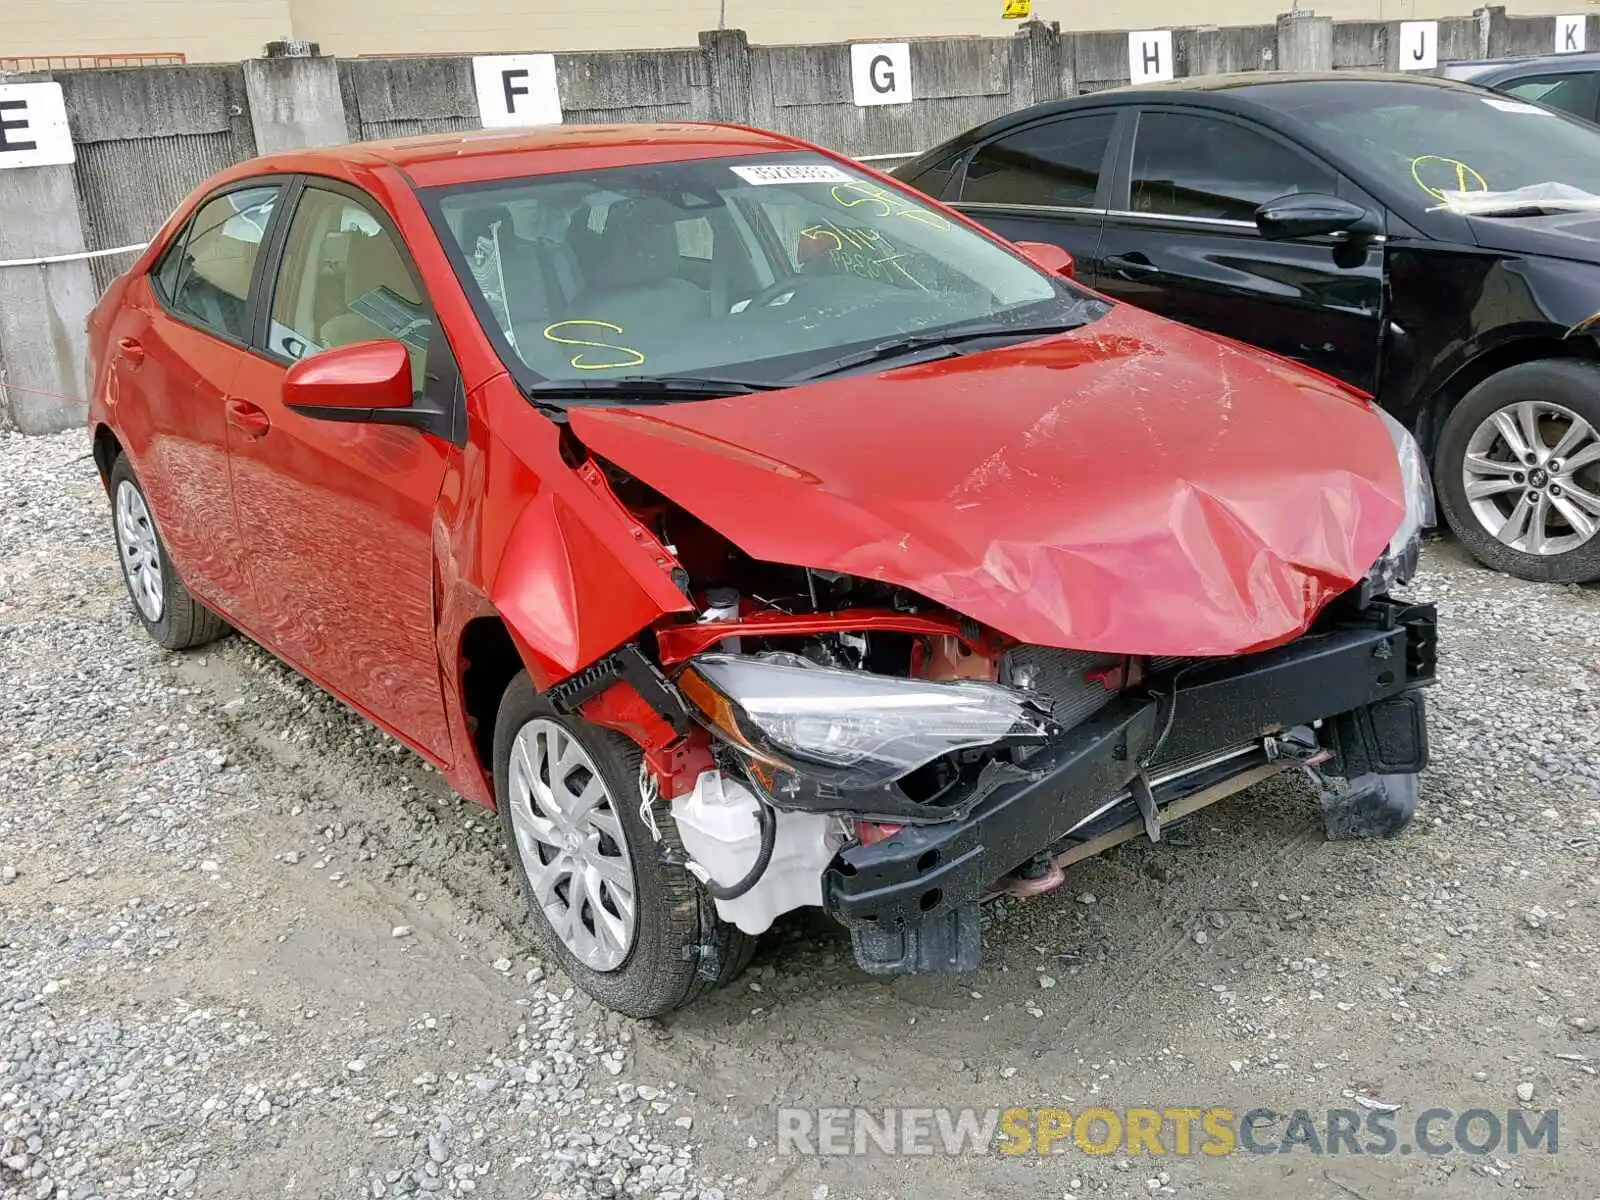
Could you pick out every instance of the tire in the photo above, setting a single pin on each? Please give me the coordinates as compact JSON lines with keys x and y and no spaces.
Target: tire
{"x":172,"y":617}
{"x":1558,"y":393}
{"x":1372,"y":806}
{"x":675,"y":929}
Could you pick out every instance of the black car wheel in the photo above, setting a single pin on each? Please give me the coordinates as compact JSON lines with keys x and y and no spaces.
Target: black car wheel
{"x":1518,"y":470}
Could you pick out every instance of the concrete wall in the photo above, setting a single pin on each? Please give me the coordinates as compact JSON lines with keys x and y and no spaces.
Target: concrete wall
{"x":664,"y":85}
{"x":146,"y":136}
{"x":805,"y":90}
{"x":215,"y":30}
{"x":389,"y":98}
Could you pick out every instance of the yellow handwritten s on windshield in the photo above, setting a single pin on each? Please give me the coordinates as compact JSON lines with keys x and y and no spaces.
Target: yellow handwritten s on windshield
{"x":583,"y":362}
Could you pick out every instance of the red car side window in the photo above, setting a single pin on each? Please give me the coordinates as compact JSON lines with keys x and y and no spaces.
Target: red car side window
{"x":344,"y":279}
{"x":210,"y":283}
{"x":165,"y":277}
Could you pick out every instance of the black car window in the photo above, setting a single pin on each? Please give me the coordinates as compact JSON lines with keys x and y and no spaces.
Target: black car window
{"x":933,"y":178}
{"x":210,"y":282}
{"x":1194,"y":165}
{"x":1577,"y":94}
{"x":1052,"y":163}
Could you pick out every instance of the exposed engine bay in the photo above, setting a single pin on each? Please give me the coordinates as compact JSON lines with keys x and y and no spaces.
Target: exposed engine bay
{"x":819,"y":739}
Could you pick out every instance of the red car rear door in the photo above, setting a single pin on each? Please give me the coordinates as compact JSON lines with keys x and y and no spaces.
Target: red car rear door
{"x":337,"y":518}
{"x":176,"y":348}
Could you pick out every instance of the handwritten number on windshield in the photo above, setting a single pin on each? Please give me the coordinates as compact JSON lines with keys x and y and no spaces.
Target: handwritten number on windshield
{"x":885,"y":204}
{"x":864,"y":252}
{"x":617,"y":357}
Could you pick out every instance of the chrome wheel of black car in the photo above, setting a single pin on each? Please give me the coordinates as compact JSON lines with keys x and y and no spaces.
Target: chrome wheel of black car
{"x":1518,"y":465}
{"x":1532,"y":477}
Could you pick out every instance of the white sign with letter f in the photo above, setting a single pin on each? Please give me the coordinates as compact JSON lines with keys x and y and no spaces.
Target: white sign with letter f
{"x":516,"y":89}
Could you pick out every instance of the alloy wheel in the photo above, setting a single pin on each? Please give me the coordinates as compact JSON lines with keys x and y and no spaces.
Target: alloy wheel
{"x":1532,"y":477}
{"x":139,"y":550}
{"x":571,"y":845}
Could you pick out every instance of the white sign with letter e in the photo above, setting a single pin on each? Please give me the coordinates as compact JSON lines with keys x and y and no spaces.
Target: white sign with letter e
{"x":33,"y":126}
{"x":1570,"y":33}
{"x":880,"y":73}
{"x":1419,"y":45}
{"x":516,"y":89}
{"x":1149,"y":55}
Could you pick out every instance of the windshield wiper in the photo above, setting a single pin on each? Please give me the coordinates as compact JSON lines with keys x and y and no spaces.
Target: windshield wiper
{"x":648,"y":389}
{"x":949,"y":339}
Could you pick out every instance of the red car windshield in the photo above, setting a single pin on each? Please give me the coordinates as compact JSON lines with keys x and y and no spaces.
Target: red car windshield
{"x":753,"y":267}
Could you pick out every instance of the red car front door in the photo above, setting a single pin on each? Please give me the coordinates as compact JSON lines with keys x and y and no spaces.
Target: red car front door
{"x":337,"y":518}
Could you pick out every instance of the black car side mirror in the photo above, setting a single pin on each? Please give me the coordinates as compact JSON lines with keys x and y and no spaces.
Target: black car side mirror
{"x":1310,"y":214}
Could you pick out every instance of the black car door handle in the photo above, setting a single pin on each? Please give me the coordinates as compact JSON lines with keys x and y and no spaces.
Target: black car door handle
{"x":1131,"y":266}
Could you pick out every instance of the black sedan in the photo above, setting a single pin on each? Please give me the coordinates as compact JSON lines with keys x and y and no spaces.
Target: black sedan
{"x":1570,"y":82}
{"x":1421,"y":239}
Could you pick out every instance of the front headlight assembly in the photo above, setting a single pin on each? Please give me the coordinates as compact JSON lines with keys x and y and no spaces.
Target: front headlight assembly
{"x":1399,"y":561}
{"x":851,"y":730}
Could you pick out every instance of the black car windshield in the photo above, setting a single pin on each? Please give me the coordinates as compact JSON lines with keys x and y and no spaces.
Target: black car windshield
{"x":760,"y":269}
{"x":1444,"y":140}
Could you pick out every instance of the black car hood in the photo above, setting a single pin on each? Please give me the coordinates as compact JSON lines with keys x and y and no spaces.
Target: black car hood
{"x":1569,"y":235}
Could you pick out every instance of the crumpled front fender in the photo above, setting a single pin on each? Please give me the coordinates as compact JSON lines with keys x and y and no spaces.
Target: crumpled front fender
{"x":574,"y":575}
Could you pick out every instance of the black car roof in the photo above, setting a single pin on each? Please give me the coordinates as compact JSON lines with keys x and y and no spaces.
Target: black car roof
{"x":1243,"y":89}
{"x":1248,"y":81}
{"x":1249,"y":87}
{"x":1492,"y":70}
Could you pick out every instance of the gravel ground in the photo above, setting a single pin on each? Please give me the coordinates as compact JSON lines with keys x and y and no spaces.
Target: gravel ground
{"x":248,"y":945}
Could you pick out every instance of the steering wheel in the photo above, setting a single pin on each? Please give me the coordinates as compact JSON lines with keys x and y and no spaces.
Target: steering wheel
{"x":790,"y":286}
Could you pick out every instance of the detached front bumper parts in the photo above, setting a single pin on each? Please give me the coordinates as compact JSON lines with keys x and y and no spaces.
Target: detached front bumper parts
{"x":1200,"y":732}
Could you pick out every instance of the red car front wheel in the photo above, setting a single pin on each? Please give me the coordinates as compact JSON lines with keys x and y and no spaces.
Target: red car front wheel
{"x":636,"y":933}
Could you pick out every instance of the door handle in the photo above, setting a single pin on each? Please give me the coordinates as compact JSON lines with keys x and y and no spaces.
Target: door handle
{"x":247,"y":418}
{"x":1131,"y":266}
{"x":132,"y":349}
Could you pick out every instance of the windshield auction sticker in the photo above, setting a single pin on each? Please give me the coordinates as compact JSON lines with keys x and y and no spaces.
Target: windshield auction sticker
{"x":1516,"y":106}
{"x":770,"y":173}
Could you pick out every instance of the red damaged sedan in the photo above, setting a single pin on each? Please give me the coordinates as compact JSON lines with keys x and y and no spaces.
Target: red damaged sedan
{"x":751,"y":532}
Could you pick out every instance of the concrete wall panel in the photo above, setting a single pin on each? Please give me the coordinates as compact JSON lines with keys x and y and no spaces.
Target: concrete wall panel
{"x":400,"y":97}
{"x":145,"y":138}
{"x":668,"y":85}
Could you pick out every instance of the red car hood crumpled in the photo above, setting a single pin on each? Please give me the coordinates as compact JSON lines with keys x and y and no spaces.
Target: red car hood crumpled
{"x":1131,"y":487}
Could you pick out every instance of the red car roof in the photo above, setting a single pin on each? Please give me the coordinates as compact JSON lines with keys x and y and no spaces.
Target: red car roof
{"x":477,"y":156}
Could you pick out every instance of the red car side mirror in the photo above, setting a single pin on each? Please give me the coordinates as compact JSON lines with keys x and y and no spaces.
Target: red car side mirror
{"x":357,"y":378}
{"x":1050,"y":258}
